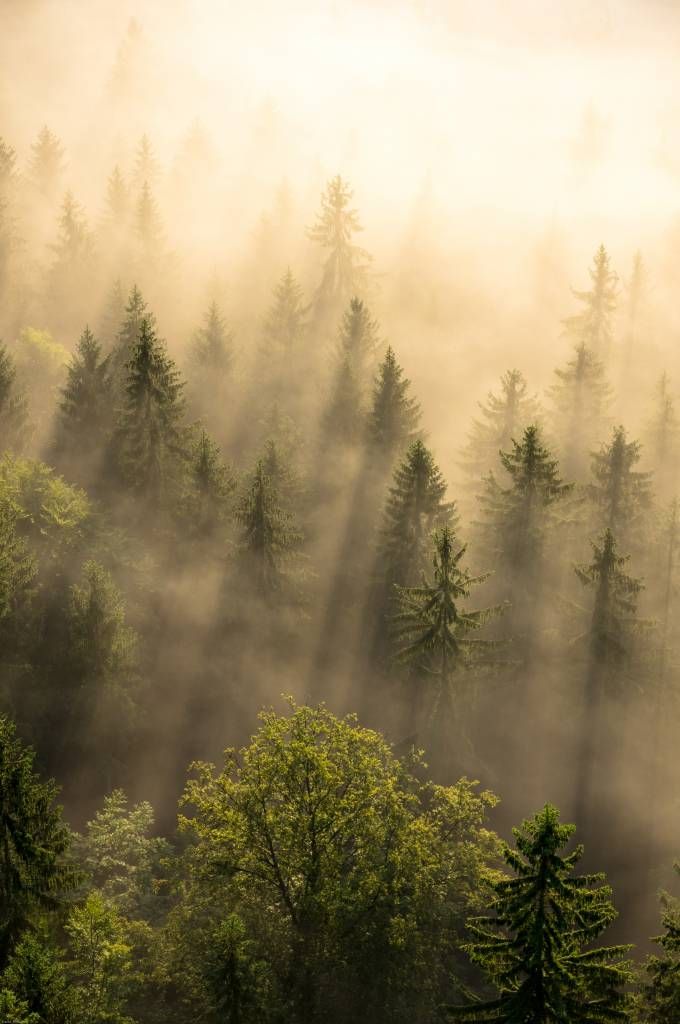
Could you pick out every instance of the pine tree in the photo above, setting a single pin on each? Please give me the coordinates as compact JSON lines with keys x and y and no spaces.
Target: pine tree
{"x":146,"y":167}
{"x":209,"y":490}
{"x":345,"y":272}
{"x":394,"y":416}
{"x":358,"y":339}
{"x":278,"y":469}
{"x":660,"y":995}
{"x":620,"y":494}
{"x":286,"y":325}
{"x":593,"y":326}
{"x":149,"y":436}
{"x":33,"y":841}
{"x":430,"y":629}
{"x":504,"y":417}
{"x":537,"y":947}
{"x":663,"y":437}
{"x":128,"y":332}
{"x":84,"y":418}
{"x":415,"y":507}
{"x":13,"y":406}
{"x":46,"y":164}
{"x":580,"y":399}
{"x":517,"y":520}
{"x":268,"y":533}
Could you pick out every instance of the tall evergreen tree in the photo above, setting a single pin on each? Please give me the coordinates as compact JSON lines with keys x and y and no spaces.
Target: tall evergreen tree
{"x":430,"y":629}
{"x":212,"y":348}
{"x":593,"y":325}
{"x":620,"y":494}
{"x":112,"y":316}
{"x":73,"y":250}
{"x":149,"y":437}
{"x":268,"y":533}
{"x":128,"y":332}
{"x":344,"y":412}
{"x":46,"y":163}
{"x":415,"y":507}
{"x":33,"y":841}
{"x":537,"y":947}
{"x":580,"y":398}
{"x":660,"y":992}
{"x":345,"y":272}
{"x":505,"y":416}
{"x":394,"y":415}
{"x":286,"y":324}
{"x":663,"y":439}
{"x":358,"y":338}
{"x":84,"y":418}
{"x":13,"y":406}
{"x":209,"y":490}
{"x":17,"y":564}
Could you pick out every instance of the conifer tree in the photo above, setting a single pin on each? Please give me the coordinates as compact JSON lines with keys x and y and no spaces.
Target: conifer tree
{"x":620,"y":494}
{"x":537,"y":946}
{"x":504,"y":417}
{"x":345,"y":272}
{"x":268,"y":533}
{"x":358,"y":339}
{"x":284,"y":479}
{"x":13,"y":406}
{"x":517,"y":518}
{"x":394,"y":415}
{"x":209,"y":490}
{"x":286,"y":325}
{"x":344,"y":413}
{"x":112,"y":317}
{"x":593,"y":326}
{"x":33,"y":841}
{"x":663,"y":437}
{"x":128,"y":332}
{"x":73,"y":249}
{"x":212,"y":348}
{"x":148,"y":225}
{"x":660,"y":994}
{"x":580,"y":398}
{"x":146,"y":167}
{"x":47,"y":163}
{"x":37,"y":977}
{"x":415,"y":507}
{"x":84,"y":418}
{"x":17,"y":564}
{"x":117,"y":201}
{"x":149,"y":438}
{"x":430,"y":628}
{"x":8,"y":172}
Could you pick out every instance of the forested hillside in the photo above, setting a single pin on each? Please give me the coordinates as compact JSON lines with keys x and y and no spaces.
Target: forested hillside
{"x":339,"y":570}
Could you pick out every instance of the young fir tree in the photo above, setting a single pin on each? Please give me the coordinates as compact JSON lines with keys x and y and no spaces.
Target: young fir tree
{"x":394,"y":416}
{"x":620,"y":494}
{"x":33,"y":841}
{"x":580,"y":398}
{"x":345,"y":272}
{"x":268,"y":534}
{"x":415,"y":507}
{"x":537,"y":947}
{"x":358,"y":339}
{"x":286,"y":326}
{"x":663,"y":437}
{"x":209,"y":489}
{"x":430,"y":629}
{"x":128,"y":333}
{"x":46,"y":163}
{"x":593,"y":325}
{"x":13,"y":406}
{"x":517,"y":520}
{"x":504,"y":417}
{"x":659,"y":998}
{"x":212,"y":348}
{"x":84,"y":417}
{"x":149,"y":438}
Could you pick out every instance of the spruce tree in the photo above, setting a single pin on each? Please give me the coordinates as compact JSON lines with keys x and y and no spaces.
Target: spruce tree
{"x":504,"y":417}
{"x":46,"y":163}
{"x":37,"y":978}
{"x":537,"y":947}
{"x":212,"y":348}
{"x":593,"y":325}
{"x":84,"y":417}
{"x":268,"y":534}
{"x":345,"y":272}
{"x":620,"y":494}
{"x":14,"y":428}
{"x":344,"y":412}
{"x":277,"y":467}
{"x":112,"y":316}
{"x":117,"y":201}
{"x":518,"y":514}
{"x":286,"y":326}
{"x":33,"y":841}
{"x":209,"y":489}
{"x":660,"y":992}
{"x":147,"y":168}
{"x":358,"y":339}
{"x":149,"y":436}
{"x":71,"y":270}
{"x":394,"y":415}
{"x":128,"y":332}
{"x":663,"y":437}
{"x":580,"y":398}
{"x":430,"y":628}
{"x":415,"y":507}
{"x":18,"y":566}
{"x":148,"y":226}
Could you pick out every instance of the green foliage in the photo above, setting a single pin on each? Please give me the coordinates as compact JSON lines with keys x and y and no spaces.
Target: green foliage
{"x":84,"y":418}
{"x":17,"y":565}
{"x":206,"y":504}
{"x":505,"y":416}
{"x":358,"y":339}
{"x":659,"y":998}
{"x":343,"y":415}
{"x":13,"y":405}
{"x":394,"y":415}
{"x":349,"y":875}
{"x":268,"y":533}
{"x":285,"y":328}
{"x":36,"y":977}
{"x":15,"y":1011}
{"x":33,"y":842}
{"x":128,"y":330}
{"x":536,"y":947}
{"x":620,"y":494}
{"x":100,"y":962}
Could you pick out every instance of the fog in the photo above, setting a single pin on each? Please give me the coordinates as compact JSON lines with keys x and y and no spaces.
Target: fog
{"x":491,"y":149}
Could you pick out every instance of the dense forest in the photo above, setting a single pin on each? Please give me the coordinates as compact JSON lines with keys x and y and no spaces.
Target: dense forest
{"x":336,"y":582}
